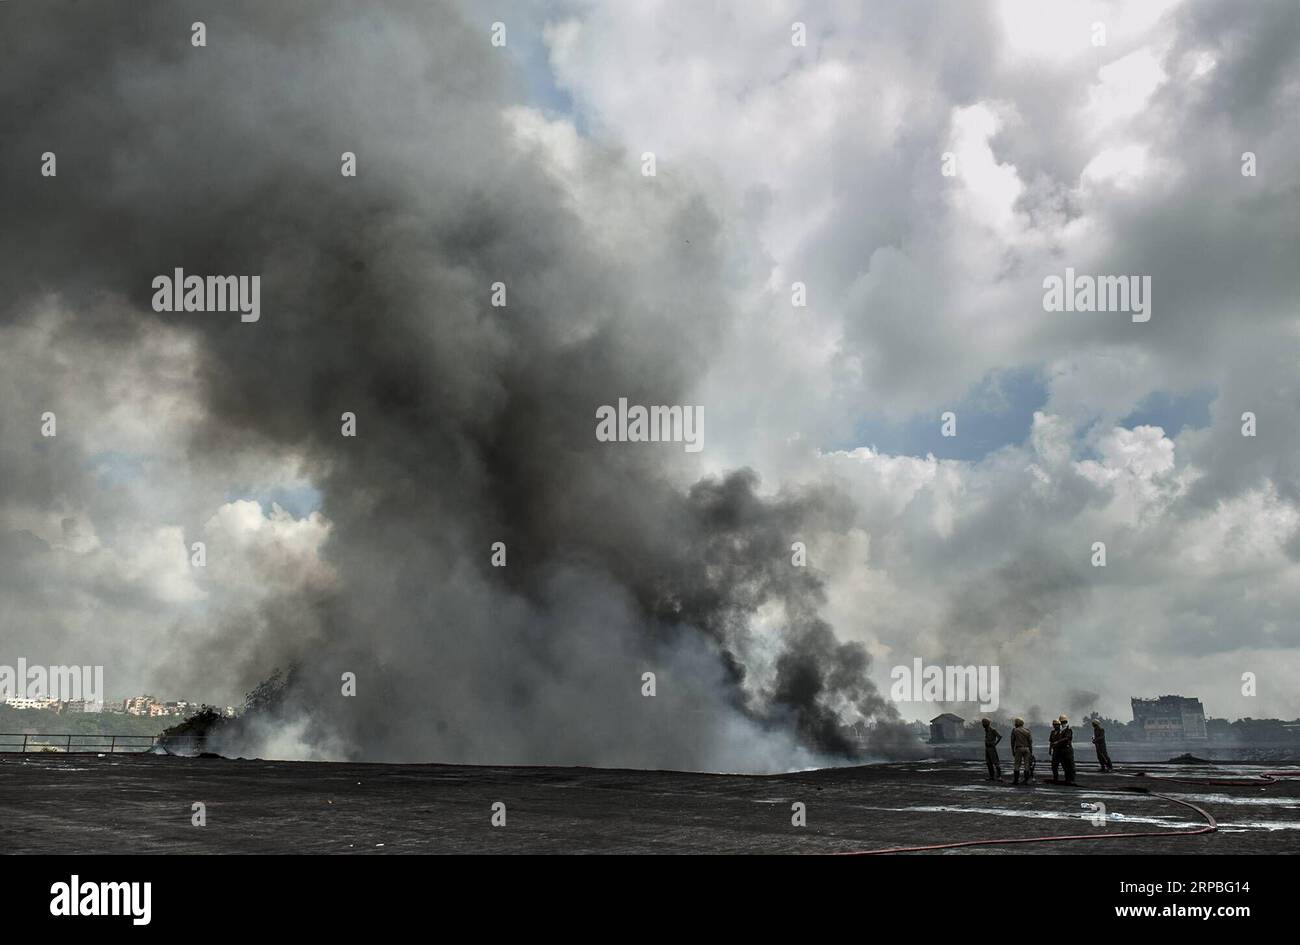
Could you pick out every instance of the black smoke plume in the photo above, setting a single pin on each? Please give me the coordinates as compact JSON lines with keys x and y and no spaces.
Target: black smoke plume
{"x":475,"y":424}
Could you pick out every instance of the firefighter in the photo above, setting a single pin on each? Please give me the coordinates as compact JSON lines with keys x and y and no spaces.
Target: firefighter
{"x":1065,"y":749}
{"x":991,"y":738}
{"x":1099,"y":742}
{"x":1022,"y":750}
{"x":1051,"y":751}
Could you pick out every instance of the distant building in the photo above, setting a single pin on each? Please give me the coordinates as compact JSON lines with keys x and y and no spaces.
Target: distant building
{"x":16,"y":703}
{"x":946,"y":728}
{"x":138,"y":705}
{"x":1174,"y":717}
{"x":181,"y":708}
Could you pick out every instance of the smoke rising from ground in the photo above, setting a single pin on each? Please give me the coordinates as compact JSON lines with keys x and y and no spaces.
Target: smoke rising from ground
{"x":475,"y":424}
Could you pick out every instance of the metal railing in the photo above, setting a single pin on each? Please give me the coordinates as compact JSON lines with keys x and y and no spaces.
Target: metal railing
{"x":34,"y":742}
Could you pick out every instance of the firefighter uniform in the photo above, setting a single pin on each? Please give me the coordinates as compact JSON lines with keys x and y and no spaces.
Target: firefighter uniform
{"x":1065,"y":749}
{"x":1022,"y":750}
{"x":1099,"y":742}
{"x":1051,"y":751}
{"x":991,"y":738}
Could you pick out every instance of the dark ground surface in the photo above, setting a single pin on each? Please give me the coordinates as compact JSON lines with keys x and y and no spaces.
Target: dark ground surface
{"x":142,"y":804}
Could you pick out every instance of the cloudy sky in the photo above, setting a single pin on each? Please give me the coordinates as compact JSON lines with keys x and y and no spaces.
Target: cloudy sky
{"x":775,"y":163}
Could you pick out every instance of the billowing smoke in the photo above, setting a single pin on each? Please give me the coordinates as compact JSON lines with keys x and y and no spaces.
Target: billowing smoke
{"x":475,"y":423}
{"x":1080,"y":702}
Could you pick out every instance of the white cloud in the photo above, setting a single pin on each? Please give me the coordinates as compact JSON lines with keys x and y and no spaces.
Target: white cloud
{"x":1069,"y":154}
{"x":1123,"y":89}
{"x":253,"y":553}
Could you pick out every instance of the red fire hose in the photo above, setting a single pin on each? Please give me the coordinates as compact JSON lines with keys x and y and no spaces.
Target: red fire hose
{"x":1264,"y":777}
{"x":1267,"y":777}
{"x":1210,"y":827}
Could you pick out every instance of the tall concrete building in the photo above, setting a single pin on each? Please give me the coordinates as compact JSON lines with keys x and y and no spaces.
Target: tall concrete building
{"x":1170,"y":717}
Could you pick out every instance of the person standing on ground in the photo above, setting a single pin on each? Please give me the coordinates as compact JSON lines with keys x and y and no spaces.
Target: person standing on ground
{"x":991,"y":738}
{"x":1051,"y":751}
{"x":1022,"y":750}
{"x":1065,"y":749}
{"x":1099,"y":742}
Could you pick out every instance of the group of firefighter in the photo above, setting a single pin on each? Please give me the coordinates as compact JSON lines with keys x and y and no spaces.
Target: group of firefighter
{"x":1060,"y":747}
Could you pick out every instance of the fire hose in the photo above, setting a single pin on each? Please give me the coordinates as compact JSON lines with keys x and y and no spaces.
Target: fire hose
{"x":1266,"y":777}
{"x":1209,"y":827}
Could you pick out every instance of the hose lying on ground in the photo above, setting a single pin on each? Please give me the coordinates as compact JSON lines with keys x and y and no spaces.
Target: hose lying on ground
{"x":1264,"y":777}
{"x":1209,"y":827}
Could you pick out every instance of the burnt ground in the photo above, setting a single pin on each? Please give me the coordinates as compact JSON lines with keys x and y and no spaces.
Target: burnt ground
{"x":54,"y":803}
